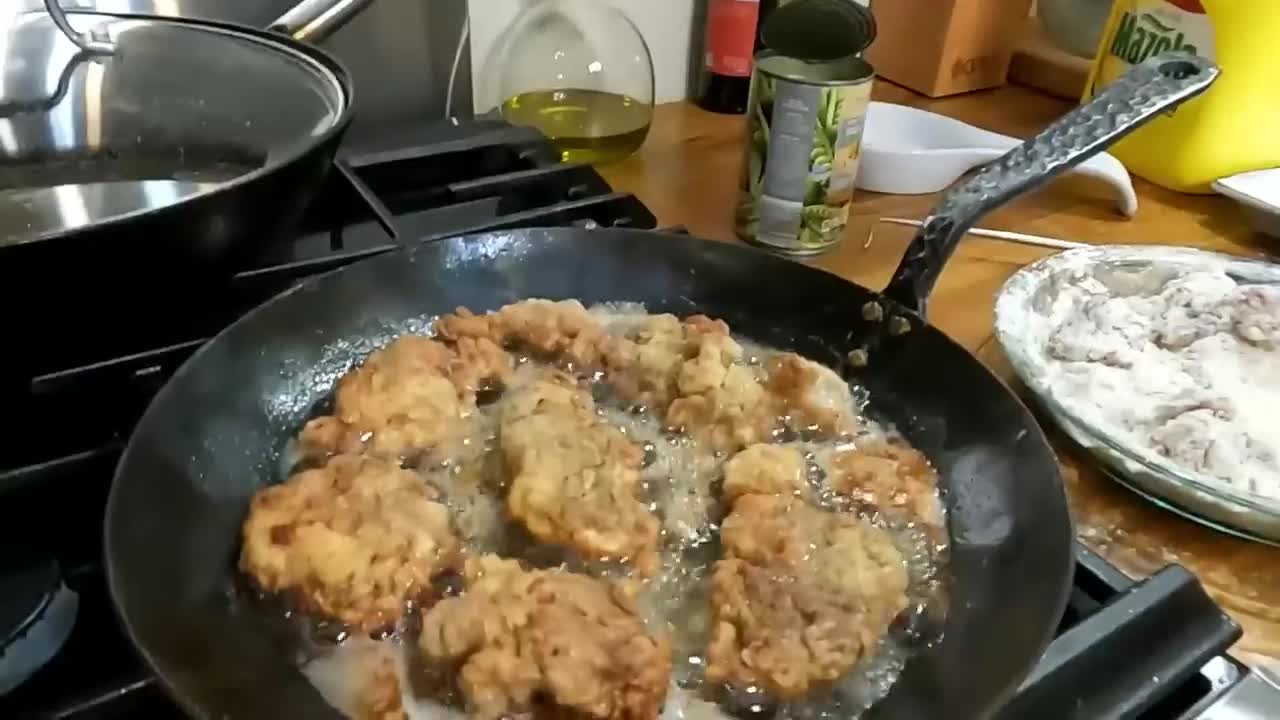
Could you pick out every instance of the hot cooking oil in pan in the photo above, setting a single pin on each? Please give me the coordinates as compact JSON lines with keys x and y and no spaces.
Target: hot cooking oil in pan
{"x":680,"y":481}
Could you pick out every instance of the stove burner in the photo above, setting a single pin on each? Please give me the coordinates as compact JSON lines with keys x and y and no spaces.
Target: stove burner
{"x":1151,"y":650}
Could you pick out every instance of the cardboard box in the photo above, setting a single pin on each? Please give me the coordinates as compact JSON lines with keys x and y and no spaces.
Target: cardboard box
{"x":944,"y":47}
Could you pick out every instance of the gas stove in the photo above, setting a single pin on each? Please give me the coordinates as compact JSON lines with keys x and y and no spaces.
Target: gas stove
{"x":1152,"y":650}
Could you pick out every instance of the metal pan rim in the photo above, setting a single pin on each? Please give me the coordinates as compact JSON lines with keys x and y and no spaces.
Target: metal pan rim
{"x":328,"y":69}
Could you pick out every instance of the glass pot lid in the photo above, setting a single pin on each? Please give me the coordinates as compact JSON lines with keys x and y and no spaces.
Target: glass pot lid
{"x":134,"y":113}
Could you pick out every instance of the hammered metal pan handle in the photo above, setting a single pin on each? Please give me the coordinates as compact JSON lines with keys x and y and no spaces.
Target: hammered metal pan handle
{"x":1154,"y":86}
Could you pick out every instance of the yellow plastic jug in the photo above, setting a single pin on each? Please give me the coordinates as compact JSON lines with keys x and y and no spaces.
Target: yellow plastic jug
{"x":1235,"y":126}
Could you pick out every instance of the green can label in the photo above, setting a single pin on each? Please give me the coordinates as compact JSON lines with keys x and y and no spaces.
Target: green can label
{"x":801,"y":164}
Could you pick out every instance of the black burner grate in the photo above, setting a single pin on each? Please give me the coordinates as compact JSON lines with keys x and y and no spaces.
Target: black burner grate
{"x":1133,"y":650}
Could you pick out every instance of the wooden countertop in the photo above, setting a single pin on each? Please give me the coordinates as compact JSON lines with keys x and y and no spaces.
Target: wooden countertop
{"x":687,"y":173}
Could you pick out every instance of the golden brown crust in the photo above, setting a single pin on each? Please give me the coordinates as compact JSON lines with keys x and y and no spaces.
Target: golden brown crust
{"x":382,"y":698}
{"x":574,"y":478}
{"x":800,"y":596}
{"x":765,"y":470}
{"x":890,"y":476}
{"x":563,"y":331}
{"x":642,"y":364}
{"x":353,"y":541}
{"x":720,"y":400}
{"x":547,"y":643}
{"x":413,"y":396}
{"x":695,"y":374}
{"x":810,"y":397}
{"x":692,"y":373}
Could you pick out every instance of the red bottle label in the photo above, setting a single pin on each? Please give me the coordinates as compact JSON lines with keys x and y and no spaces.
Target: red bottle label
{"x":731,"y":36}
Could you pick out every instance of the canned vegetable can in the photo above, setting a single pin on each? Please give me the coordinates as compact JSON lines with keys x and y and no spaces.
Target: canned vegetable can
{"x":805,"y":123}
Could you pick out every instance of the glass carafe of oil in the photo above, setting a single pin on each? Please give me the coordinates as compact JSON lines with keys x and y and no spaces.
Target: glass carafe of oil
{"x":579,"y":71}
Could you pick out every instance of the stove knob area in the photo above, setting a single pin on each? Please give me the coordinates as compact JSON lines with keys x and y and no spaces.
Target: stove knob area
{"x":37,"y":612}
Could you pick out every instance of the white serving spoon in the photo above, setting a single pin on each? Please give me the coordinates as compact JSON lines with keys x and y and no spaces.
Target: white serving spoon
{"x":908,"y":151}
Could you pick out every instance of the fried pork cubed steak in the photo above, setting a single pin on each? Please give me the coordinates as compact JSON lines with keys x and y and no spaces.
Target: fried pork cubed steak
{"x":560,"y":331}
{"x":353,"y":541}
{"x":801,"y":594}
{"x":547,"y":644}
{"x":412,"y":397}
{"x":574,"y":477}
{"x":690,"y":372}
{"x":766,"y":470}
{"x":699,"y":379}
{"x":893,"y":477}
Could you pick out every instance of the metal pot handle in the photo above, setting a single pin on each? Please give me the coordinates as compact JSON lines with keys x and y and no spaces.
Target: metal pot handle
{"x":312,"y":21}
{"x":1154,"y":86}
{"x":11,"y":108}
{"x":87,"y":41}
{"x":309,"y":21}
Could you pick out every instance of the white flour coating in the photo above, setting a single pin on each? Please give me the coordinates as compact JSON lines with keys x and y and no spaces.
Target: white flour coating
{"x":1186,"y":363}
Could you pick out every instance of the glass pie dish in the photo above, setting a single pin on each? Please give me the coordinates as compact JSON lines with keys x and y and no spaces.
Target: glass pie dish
{"x":1022,"y":328}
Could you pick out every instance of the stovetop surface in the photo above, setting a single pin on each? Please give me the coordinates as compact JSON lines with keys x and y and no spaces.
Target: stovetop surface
{"x":80,"y":394}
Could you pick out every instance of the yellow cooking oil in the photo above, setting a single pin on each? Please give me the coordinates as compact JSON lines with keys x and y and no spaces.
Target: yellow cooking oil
{"x":587,"y":126}
{"x":1230,"y":129}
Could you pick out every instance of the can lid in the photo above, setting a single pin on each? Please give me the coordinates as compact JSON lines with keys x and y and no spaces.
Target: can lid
{"x":819,"y":30}
{"x":848,"y":70}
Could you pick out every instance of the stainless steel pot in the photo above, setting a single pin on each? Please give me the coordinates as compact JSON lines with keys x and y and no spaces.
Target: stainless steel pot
{"x":401,"y":55}
{"x":106,"y":117}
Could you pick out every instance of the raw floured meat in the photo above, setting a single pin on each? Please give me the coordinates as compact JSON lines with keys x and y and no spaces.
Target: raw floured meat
{"x":1185,"y":363}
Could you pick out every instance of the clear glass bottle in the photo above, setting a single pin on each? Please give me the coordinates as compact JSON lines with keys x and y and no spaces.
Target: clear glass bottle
{"x":579,"y":71}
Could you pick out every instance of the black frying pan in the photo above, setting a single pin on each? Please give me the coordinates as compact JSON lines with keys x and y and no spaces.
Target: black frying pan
{"x":214,"y":434}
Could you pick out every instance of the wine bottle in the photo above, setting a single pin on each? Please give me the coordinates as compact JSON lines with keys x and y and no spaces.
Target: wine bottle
{"x":732,"y":38}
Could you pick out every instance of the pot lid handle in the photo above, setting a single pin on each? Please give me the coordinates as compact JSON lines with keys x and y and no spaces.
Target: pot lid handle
{"x":312,"y":21}
{"x":86,"y":41}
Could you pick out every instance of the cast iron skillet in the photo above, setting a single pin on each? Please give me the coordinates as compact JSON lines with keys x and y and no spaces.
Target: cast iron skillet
{"x":214,"y":434}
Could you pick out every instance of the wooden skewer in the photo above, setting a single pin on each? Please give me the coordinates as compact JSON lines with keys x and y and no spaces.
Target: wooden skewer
{"x":1020,"y":238}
